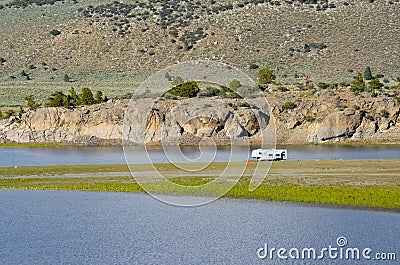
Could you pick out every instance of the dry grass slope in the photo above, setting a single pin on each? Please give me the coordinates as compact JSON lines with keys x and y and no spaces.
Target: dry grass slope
{"x":114,"y":46}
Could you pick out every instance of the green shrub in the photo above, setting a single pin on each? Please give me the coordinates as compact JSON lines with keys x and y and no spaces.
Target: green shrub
{"x":283,"y":89}
{"x":323,"y":85}
{"x":31,"y":102}
{"x":7,"y":114}
{"x":229,"y":92}
{"x":384,"y":113}
{"x":375,"y":84}
{"x":334,"y":86}
{"x":289,"y":105}
{"x":234,"y":84}
{"x":309,"y":118}
{"x":212,"y":91}
{"x":187,"y":89}
{"x":266,"y":76}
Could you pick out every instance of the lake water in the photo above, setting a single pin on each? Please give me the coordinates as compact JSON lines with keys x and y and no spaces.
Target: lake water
{"x":62,"y":227}
{"x":62,"y":155}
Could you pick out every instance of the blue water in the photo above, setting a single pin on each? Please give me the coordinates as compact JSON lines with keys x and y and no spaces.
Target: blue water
{"x":62,"y":155}
{"x":62,"y":227}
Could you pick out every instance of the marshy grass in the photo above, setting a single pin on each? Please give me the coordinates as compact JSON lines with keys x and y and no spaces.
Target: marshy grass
{"x":369,"y":183}
{"x":365,"y":196}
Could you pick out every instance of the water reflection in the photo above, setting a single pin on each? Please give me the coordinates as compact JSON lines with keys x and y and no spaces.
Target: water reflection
{"x":67,"y":155}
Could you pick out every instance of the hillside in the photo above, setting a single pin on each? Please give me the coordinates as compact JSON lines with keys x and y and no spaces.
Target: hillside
{"x":113,"y":46}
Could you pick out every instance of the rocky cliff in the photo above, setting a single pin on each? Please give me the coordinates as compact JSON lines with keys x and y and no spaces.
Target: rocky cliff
{"x":88,"y":125}
{"x":299,"y":117}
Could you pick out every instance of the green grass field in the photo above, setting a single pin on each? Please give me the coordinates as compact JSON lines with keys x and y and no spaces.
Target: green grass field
{"x":373,"y":183}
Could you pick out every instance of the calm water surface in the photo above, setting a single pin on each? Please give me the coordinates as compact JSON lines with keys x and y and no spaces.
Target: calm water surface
{"x":61,"y":227}
{"x":62,"y":155}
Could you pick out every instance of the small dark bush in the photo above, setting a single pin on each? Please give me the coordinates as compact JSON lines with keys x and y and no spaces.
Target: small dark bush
{"x":55,"y":32}
{"x":323,"y":85}
{"x":253,"y":66}
{"x":384,"y":113}
{"x":289,"y":105}
{"x":212,"y":91}
{"x":309,"y":118}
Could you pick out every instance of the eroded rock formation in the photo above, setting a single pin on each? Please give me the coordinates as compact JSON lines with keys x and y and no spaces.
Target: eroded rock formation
{"x":324,"y":116}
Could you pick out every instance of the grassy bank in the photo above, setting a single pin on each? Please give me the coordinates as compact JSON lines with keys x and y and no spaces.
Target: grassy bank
{"x":370,"y":183}
{"x":366,"y":196}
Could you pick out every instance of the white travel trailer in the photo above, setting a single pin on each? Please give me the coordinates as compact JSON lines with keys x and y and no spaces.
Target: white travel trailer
{"x":269,"y":154}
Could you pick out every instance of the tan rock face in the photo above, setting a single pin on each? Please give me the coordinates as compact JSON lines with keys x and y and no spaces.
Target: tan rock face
{"x":327,"y":116}
{"x":338,"y":125}
{"x":190,"y":120}
{"x":98,"y":124}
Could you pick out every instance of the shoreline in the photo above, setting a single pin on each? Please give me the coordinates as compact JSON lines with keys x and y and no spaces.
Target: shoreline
{"x":371,"y":184}
{"x":67,"y":144}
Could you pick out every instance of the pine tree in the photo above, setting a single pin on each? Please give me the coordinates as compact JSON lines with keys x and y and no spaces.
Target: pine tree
{"x":266,"y":76}
{"x":99,"y":97}
{"x":57,"y":99}
{"x":86,"y":97}
{"x":358,"y":85}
